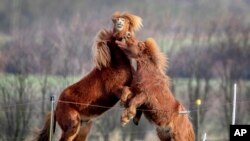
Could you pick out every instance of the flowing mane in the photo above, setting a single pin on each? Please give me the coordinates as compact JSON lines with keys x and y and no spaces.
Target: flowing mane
{"x":158,"y":57}
{"x":101,"y":50}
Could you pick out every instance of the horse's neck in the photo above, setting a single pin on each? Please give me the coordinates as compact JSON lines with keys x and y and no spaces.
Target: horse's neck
{"x":145,"y":66}
{"x":118,"y":57}
{"x":118,"y":34}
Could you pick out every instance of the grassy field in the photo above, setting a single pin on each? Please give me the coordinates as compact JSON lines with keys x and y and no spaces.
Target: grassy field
{"x":213,"y":104}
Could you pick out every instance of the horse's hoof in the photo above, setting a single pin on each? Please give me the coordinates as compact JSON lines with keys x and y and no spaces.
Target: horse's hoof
{"x":136,"y":121}
{"x":124,"y":122}
{"x":130,"y":116}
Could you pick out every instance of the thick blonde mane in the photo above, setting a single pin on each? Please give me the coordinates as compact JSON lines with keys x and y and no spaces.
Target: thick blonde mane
{"x":101,"y":50}
{"x":135,"y":21}
{"x":158,"y":57}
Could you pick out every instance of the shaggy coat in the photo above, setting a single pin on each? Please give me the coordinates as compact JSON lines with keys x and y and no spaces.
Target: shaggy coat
{"x":150,"y":92}
{"x":95,"y":93}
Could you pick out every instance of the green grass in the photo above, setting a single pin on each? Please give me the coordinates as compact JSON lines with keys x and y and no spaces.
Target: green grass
{"x":33,"y":84}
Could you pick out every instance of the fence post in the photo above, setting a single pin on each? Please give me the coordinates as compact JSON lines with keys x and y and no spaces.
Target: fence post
{"x":234,"y":104}
{"x":198,"y":103}
{"x":52,"y":100}
{"x":205,"y":137}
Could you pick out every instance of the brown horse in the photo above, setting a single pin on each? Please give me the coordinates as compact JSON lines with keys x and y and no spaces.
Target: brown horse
{"x":150,"y":92}
{"x":102,"y":86}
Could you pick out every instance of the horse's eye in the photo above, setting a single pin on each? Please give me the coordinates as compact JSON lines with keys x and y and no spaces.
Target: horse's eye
{"x":114,"y":20}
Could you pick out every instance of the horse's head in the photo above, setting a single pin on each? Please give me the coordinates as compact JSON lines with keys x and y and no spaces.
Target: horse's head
{"x":125,"y":22}
{"x":147,"y":50}
{"x":131,"y":47}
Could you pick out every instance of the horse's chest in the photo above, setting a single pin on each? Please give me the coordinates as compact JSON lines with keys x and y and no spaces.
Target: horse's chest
{"x":121,"y":77}
{"x":98,"y":107}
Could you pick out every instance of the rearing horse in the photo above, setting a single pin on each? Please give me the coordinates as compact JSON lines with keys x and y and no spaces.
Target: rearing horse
{"x":102,"y":86}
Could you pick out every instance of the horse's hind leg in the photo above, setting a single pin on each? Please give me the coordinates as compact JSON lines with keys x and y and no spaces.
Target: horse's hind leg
{"x":69,"y":121}
{"x":84,"y":131}
{"x":70,"y":133}
{"x":164,"y":134}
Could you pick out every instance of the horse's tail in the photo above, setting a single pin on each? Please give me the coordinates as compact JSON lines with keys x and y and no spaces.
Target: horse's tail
{"x":43,"y":135}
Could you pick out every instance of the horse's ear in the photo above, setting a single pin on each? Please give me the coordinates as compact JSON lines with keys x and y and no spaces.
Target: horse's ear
{"x":101,"y":52}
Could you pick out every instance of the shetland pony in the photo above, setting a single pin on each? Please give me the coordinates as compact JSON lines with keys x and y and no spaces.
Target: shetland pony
{"x":102,"y":86}
{"x":150,"y":92}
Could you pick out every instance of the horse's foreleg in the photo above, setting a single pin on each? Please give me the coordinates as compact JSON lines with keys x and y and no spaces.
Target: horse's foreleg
{"x":126,"y":94}
{"x":123,"y":93}
{"x":130,"y":112}
{"x":137,"y":117}
{"x":135,"y":102}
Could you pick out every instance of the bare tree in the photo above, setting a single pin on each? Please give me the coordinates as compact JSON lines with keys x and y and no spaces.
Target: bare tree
{"x":193,"y":62}
{"x":230,"y":67}
{"x":15,"y":93}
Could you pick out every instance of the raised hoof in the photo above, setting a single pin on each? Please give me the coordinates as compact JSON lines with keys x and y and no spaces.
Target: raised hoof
{"x":136,"y":121}
{"x":124,"y":122}
{"x":130,"y":116}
